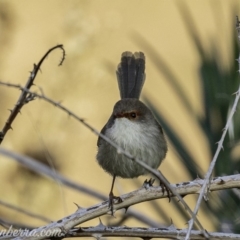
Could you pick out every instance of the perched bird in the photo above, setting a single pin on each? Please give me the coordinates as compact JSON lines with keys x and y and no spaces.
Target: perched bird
{"x":131,"y":126}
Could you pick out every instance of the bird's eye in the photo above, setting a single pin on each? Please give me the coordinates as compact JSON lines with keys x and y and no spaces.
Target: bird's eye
{"x":133,"y":115}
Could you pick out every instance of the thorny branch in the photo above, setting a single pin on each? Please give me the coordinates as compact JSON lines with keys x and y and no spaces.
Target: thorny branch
{"x":170,"y":232}
{"x":204,"y":190}
{"x":25,"y":97}
{"x":66,"y":224}
{"x":101,"y":230}
{"x":143,"y":194}
{"x":156,"y":173}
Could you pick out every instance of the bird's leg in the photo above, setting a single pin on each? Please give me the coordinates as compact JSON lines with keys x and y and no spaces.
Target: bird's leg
{"x":112,"y":197}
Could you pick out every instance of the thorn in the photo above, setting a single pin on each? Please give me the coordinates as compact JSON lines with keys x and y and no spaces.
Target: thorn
{"x":35,"y":67}
{"x":186,"y":223}
{"x":63,"y":230}
{"x":56,"y":104}
{"x":235,"y":93}
{"x":183,"y":196}
{"x":33,"y":73}
{"x":205,"y":231}
{"x":11,"y":128}
{"x":197,"y":178}
{"x":100,"y":223}
{"x":205,"y":197}
{"x":126,"y":208}
{"x":221,"y":146}
{"x":172,"y":226}
{"x":97,"y":236}
{"x":78,"y":207}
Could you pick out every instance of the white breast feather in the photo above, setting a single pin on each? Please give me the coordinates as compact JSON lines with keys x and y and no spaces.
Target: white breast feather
{"x":130,"y":134}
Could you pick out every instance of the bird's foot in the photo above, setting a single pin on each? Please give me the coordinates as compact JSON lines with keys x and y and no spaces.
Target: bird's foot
{"x":113,"y":200}
{"x":148,"y":183}
{"x":165,"y":188}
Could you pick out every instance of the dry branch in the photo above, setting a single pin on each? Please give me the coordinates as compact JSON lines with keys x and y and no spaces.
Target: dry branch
{"x":170,"y":232}
{"x":26,"y":97}
{"x":64,"y":225}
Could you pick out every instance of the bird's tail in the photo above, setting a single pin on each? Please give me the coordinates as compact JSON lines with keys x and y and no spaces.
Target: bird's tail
{"x":131,"y":74}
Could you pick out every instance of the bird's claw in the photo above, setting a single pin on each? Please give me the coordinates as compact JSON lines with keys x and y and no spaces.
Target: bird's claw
{"x":113,"y":200}
{"x":148,"y":183}
{"x":165,"y":188}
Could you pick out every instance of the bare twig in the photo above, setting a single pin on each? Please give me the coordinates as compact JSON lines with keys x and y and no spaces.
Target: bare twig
{"x":25,"y":97}
{"x":82,"y":215}
{"x":156,"y":173}
{"x":204,"y":189}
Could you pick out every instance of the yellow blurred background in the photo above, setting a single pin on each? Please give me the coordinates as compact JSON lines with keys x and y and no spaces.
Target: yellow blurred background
{"x":94,"y":34}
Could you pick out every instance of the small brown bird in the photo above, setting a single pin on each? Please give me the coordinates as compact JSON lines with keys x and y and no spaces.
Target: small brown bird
{"x":131,"y":126}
